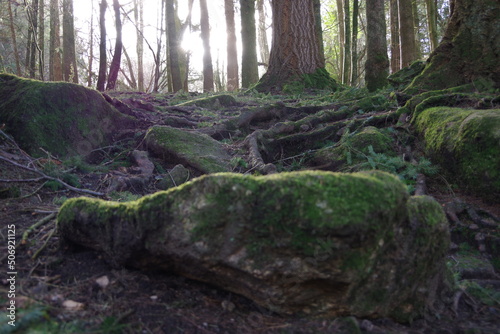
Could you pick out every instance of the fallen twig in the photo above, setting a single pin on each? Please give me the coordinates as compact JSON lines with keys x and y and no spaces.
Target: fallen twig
{"x":45,"y":176}
{"x":51,"y":233}
{"x":35,"y":226}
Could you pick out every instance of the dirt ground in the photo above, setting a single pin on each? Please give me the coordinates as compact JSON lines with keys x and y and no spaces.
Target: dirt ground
{"x":60,"y":289}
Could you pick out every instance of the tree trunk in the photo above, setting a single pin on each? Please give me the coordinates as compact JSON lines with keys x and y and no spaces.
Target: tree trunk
{"x":131,"y":80}
{"x":347,"y":45}
{"x":41,"y":39}
{"x":407,"y":33}
{"x":91,"y":47}
{"x":249,"y":65}
{"x":139,"y":20}
{"x":173,"y":47}
{"x":33,"y":22}
{"x":114,"y":68}
{"x":14,"y":43}
{"x":469,"y":49}
{"x":101,"y":79}
{"x":70,"y":70}
{"x":432,"y":23}
{"x":340,"y":18}
{"x":377,"y":62}
{"x":295,"y":53}
{"x":416,"y":27}
{"x":232,"y":51}
{"x":263,"y":45}
{"x":395,"y":49}
{"x":354,"y":62}
{"x":208,"y":70}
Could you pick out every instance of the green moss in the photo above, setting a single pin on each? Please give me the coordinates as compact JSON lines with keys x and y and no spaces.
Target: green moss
{"x":466,"y":142}
{"x":212,"y":102}
{"x":60,"y":117}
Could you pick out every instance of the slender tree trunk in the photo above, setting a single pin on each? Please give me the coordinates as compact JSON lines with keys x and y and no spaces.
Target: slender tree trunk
{"x":41,"y":39}
{"x":416,"y":26}
{"x":114,"y":68}
{"x":208,"y":71}
{"x":340,"y":18}
{"x":139,"y":21}
{"x":432,"y":23}
{"x":354,"y":62}
{"x":347,"y":45}
{"x":233,"y":78}
{"x":33,"y":22}
{"x":377,"y":62}
{"x":14,"y":43}
{"x":249,"y":65}
{"x":101,"y":79}
{"x":262,"y":35}
{"x":173,"y":47}
{"x":395,"y":50}
{"x":91,"y":47}
{"x":70,"y":70}
{"x":131,"y":80}
{"x":407,"y":33}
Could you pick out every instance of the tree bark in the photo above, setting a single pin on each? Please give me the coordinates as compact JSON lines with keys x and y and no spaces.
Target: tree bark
{"x":14,"y":43}
{"x":173,"y":47}
{"x":354,"y":53}
{"x":33,"y":23}
{"x":395,"y":48}
{"x":469,"y":49}
{"x":432,"y":23}
{"x":347,"y":44}
{"x":101,"y":79}
{"x":91,"y":48}
{"x":70,"y":69}
{"x":208,"y":70}
{"x":296,"y":51}
{"x":41,"y":39}
{"x":262,"y":34}
{"x":114,"y":68}
{"x":407,"y":33}
{"x":233,"y":78}
{"x":377,"y":62}
{"x":416,"y":27}
{"x":249,"y":65}
{"x":340,"y":18}
{"x":139,"y":20}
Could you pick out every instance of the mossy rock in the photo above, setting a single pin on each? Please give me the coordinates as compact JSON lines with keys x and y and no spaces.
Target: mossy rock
{"x":62,"y":118}
{"x":212,"y":102}
{"x":189,"y":148}
{"x":466,"y":142}
{"x":353,"y":148}
{"x":316,"y":243}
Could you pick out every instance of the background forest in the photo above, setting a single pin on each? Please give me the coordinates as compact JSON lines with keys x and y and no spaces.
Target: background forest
{"x":167,"y":45}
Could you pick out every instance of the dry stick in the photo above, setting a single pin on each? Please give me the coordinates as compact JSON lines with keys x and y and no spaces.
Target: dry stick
{"x":51,"y":233}
{"x":85,"y":191}
{"x":35,"y":226}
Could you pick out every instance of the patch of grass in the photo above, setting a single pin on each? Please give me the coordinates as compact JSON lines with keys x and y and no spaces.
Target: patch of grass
{"x":123,"y":196}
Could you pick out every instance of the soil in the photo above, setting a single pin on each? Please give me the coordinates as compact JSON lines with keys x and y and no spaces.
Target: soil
{"x":60,"y":289}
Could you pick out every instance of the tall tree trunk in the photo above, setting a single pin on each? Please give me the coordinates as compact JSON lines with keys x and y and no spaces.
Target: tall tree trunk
{"x":101,"y":78}
{"x":233,"y":78}
{"x":14,"y":43}
{"x":262,"y":34}
{"x":296,"y":52}
{"x":469,"y":49}
{"x":208,"y":70}
{"x":70,"y":70}
{"x":91,"y":47}
{"x":407,"y":33}
{"x":139,"y":21}
{"x":377,"y":62}
{"x":432,"y":23}
{"x":33,"y":24}
{"x":395,"y":50}
{"x":114,"y":68}
{"x":41,"y":39}
{"x":340,"y":18}
{"x":131,"y":80}
{"x":354,"y":62}
{"x":347,"y":45}
{"x":249,"y":65}
{"x":416,"y":26}
{"x":173,"y":47}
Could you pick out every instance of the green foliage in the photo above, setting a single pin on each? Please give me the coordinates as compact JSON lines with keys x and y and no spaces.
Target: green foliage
{"x":123,"y":196}
{"x":56,"y":171}
{"x":238,"y":162}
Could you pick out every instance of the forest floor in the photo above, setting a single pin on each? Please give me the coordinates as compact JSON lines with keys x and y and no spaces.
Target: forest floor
{"x":62,"y":291}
